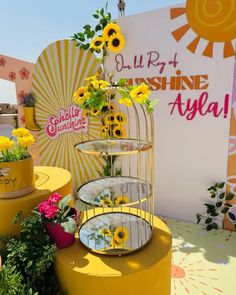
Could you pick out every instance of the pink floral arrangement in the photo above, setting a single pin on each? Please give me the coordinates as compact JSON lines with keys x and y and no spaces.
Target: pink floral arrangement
{"x":58,"y":210}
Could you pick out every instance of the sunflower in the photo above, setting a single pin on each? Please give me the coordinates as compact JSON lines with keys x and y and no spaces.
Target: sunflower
{"x":126,"y":101}
{"x":103,"y":84}
{"x":94,"y":112}
{"x":119,"y":132}
{"x":120,"y":118}
{"x":109,"y":30}
{"x":121,"y":235}
{"x":97,"y":43}
{"x":91,"y":78}
{"x":111,"y":107}
{"x":140,"y":93}
{"x":109,"y":119}
{"x":119,"y":200}
{"x":105,"y":131}
{"x":80,"y":95}
{"x":105,"y":232}
{"x":106,"y":202}
{"x":116,"y":43}
{"x":85,"y":113}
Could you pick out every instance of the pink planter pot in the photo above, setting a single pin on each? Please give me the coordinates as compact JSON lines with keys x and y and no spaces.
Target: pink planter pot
{"x":61,"y":238}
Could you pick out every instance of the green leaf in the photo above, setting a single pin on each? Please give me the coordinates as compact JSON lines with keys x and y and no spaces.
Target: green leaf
{"x":69,"y":225}
{"x":121,"y":82}
{"x":221,"y":185}
{"x":214,"y":225}
{"x":214,"y":214}
{"x":65,"y":201}
{"x":219,"y":204}
{"x":209,"y":227}
{"x":102,"y":11}
{"x":87,"y":27}
{"x":229,"y":196}
{"x":86,"y":46}
{"x":224,"y":210}
{"x":208,"y":220}
{"x":96,"y":16}
{"x":98,"y":28}
{"x":210,"y":206}
{"x":213,"y":195}
{"x":228,"y":205}
{"x":221,"y":196}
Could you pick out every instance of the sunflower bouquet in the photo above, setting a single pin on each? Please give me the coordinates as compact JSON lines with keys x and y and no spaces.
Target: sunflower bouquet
{"x":106,"y":199}
{"x":14,"y":150}
{"x":110,"y":236}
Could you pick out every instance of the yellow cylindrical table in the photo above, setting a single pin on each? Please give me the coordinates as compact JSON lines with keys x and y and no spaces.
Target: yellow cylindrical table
{"x":47,"y":181}
{"x":146,"y":272}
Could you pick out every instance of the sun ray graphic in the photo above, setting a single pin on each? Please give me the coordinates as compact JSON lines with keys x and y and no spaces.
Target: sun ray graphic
{"x":59,"y":70}
{"x":211,"y":20}
{"x":190,"y":277}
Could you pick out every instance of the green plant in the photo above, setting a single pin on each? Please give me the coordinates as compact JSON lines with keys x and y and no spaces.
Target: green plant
{"x":108,"y":167}
{"x":29,"y":100}
{"x":32,"y":256}
{"x":11,"y":282}
{"x":214,"y":210}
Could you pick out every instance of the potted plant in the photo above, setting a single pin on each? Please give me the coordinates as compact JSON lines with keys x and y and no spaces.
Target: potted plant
{"x":16,"y":164}
{"x":28,"y":103}
{"x":59,"y":219}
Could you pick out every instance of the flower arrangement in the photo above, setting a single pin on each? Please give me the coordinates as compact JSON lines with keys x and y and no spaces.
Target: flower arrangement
{"x":11,"y":150}
{"x":106,"y":199}
{"x":96,"y":94}
{"x":29,"y":100}
{"x":57,"y":210}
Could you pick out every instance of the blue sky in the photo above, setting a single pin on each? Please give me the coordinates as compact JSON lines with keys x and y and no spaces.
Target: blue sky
{"x":28,"y":26}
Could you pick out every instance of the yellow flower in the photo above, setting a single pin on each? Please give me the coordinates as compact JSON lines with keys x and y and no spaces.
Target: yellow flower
{"x":97,"y":43}
{"x":5,"y":143}
{"x":85,"y":113}
{"x":126,"y":101}
{"x":120,"y":118}
{"x":109,"y":30}
{"x":80,"y":95}
{"x":111,"y":107}
{"x":140,"y":93}
{"x":121,"y":235}
{"x":119,"y":200}
{"x":26,"y":141}
{"x":106,"y":202}
{"x":91,"y":78}
{"x":99,"y":84}
{"x":119,"y":132}
{"x":116,"y":43}
{"x":105,"y":232}
{"x":105,"y":131}
{"x":94,"y":112}
{"x":109,"y":119}
{"x":20,"y":132}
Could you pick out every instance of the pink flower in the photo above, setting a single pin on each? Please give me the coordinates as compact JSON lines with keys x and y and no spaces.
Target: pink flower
{"x":24,"y":73}
{"x":2,"y":62}
{"x":54,"y":198}
{"x":12,"y":76}
{"x":42,"y":207}
{"x":51,"y":211}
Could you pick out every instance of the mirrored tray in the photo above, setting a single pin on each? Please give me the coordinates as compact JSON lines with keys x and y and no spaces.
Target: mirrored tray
{"x":115,"y":191}
{"x":113,"y":146}
{"x":115,"y":233}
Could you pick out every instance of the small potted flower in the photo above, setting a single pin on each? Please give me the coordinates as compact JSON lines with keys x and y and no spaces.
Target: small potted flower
{"x":16,"y":164}
{"x":28,"y":103}
{"x":59,"y":219}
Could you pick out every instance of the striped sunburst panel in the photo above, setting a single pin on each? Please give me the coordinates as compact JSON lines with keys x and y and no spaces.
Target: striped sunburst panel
{"x":59,"y":71}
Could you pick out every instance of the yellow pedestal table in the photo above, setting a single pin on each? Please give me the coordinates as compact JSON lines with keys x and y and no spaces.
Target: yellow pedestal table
{"x":47,"y":181}
{"x":146,"y":272}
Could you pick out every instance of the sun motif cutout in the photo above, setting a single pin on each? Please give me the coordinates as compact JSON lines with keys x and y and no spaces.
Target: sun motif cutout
{"x":190,"y":277}
{"x":212,"y":20}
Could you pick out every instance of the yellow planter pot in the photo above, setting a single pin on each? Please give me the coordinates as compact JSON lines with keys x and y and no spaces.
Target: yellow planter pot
{"x":16,"y":178}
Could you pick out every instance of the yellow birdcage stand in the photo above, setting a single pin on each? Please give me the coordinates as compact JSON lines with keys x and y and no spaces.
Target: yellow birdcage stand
{"x":119,"y":205}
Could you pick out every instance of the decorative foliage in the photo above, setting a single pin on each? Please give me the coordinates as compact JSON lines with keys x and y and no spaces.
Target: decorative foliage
{"x":29,"y":100}
{"x":11,"y":151}
{"x":29,"y":261}
{"x":57,"y":210}
{"x":214,"y":210}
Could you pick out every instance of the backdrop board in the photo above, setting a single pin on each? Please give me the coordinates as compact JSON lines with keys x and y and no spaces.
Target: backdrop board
{"x":193,"y":79}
